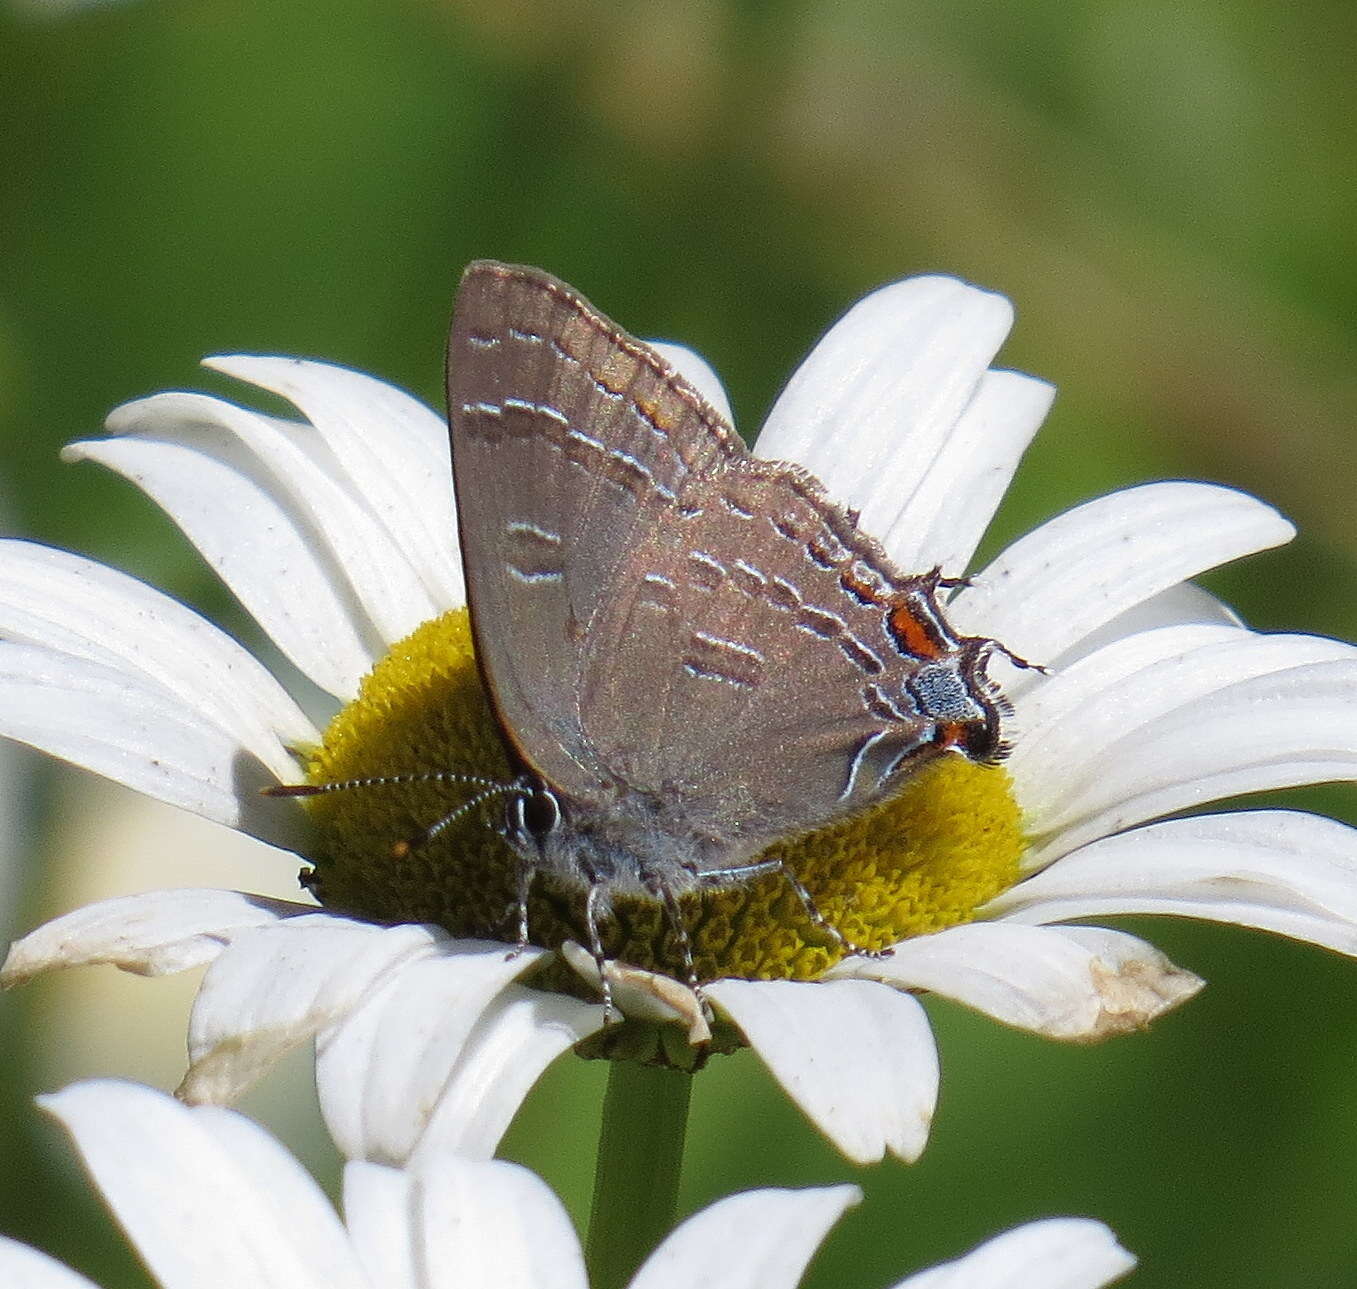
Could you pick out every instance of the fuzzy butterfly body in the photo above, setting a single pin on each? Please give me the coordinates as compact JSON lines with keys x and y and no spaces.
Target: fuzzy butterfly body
{"x":692,"y":653}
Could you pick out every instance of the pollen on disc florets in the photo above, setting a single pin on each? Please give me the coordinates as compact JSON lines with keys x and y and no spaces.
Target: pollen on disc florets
{"x":949,"y":840}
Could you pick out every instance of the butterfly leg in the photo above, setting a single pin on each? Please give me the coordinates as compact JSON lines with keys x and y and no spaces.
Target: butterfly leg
{"x":715,"y":879}
{"x":674,"y":912}
{"x":822,"y":923}
{"x":746,"y":872}
{"x":526,"y":871}
{"x":591,"y":911}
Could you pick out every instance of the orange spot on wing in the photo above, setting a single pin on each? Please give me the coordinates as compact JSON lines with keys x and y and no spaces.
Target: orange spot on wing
{"x":661,"y":415}
{"x":949,"y":734}
{"x":617,"y":371}
{"x":864,"y":591}
{"x":912,"y":635}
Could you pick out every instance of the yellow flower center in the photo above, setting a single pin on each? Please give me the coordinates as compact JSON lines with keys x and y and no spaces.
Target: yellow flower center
{"x":949,"y":840}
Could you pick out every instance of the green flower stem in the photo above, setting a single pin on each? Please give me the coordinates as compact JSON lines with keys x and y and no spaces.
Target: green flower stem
{"x":640,"y":1155}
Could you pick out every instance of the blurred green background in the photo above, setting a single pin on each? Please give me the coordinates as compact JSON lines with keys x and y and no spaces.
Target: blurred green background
{"x":1164,"y":190}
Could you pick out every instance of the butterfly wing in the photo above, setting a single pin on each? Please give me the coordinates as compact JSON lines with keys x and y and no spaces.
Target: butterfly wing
{"x":751,"y":663}
{"x":568,"y":437}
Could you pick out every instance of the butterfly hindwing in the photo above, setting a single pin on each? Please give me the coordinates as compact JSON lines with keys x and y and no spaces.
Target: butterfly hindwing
{"x":735,"y":670}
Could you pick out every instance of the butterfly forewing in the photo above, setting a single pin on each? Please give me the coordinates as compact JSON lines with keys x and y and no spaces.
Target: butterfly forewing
{"x":569,"y":438}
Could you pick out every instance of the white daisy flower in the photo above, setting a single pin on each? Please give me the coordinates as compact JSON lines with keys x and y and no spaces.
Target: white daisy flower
{"x":337,"y":534}
{"x":207,"y":1198}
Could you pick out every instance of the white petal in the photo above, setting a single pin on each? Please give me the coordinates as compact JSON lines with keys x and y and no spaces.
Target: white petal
{"x":25,"y":1268}
{"x":132,"y":732}
{"x":698,"y":373}
{"x":520,"y":1034}
{"x":1059,"y":1253}
{"x":1183,"y":604}
{"x":393,"y":447}
{"x":274,"y":561}
{"x":293,"y":465}
{"x":1080,"y":570}
{"x":1278,"y":730}
{"x":274,"y":988}
{"x":1122,"y":692}
{"x":1076,"y":689}
{"x":1277,"y":870}
{"x":641,"y":994}
{"x":1052,"y":705}
{"x":948,"y":515}
{"x":1197,"y":614}
{"x":493,"y":1224}
{"x":379,"y":1211}
{"x":153,"y":934}
{"x":75,"y":606}
{"x":872,"y":406}
{"x":304,"y":1217}
{"x":857,"y":1058}
{"x":203,"y":1214}
{"x":760,"y":1239}
{"x":1075,"y":983}
{"x":381,"y":1072}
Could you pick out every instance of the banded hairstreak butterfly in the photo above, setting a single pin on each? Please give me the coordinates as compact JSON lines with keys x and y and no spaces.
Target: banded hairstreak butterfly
{"x":691,"y":652}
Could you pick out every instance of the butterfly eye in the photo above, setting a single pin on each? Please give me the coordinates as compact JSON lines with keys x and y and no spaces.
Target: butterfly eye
{"x":535,"y":814}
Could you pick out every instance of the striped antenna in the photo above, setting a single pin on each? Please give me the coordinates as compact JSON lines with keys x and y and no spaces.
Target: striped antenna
{"x":402,"y":848}
{"x":379,"y":781}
